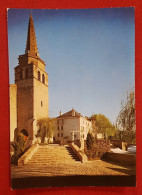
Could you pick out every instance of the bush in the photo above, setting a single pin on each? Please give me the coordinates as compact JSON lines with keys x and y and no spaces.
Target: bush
{"x":89,"y":141}
{"x":97,"y":149}
{"x":19,"y":146}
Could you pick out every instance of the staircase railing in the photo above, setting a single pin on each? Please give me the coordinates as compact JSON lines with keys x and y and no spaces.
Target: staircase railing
{"x":27,"y":155}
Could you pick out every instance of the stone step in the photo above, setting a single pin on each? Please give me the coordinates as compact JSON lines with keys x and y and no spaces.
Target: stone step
{"x":51,"y":155}
{"x":55,"y":159}
{"x":52,"y":162}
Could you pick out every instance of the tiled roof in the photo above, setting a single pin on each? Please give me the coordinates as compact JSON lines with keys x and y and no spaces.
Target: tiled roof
{"x":69,"y":114}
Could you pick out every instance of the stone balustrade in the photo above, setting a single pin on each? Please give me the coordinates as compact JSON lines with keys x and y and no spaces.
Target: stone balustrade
{"x":83,"y":158}
{"x":27,"y":155}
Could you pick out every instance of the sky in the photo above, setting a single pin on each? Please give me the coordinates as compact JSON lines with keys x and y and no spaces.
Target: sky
{"x":89,"y":56}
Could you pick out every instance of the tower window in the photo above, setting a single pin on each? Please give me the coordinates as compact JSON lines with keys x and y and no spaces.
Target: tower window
{"x":21,"y":74}
{"x":41,"y":104}
{"x":26,"y":73}
{"x":39,"y":75}
{"x":43,"y":78}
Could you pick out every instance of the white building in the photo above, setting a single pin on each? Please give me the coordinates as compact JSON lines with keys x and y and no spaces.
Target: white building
{"x":71,"y":126}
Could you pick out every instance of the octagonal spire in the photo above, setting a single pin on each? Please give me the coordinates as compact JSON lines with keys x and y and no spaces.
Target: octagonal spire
{"x":31,"y":46}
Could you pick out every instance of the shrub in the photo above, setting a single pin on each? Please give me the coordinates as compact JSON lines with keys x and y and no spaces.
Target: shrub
{"x":89,"y":141}
{"x":19,"y":146}
{"x":97,"y":149}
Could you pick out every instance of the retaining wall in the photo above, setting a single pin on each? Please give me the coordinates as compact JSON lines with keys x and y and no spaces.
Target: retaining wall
{"x":125,"y":159}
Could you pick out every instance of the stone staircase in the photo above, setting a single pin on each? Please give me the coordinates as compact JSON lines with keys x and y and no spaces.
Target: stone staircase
{"x":53,"y":154}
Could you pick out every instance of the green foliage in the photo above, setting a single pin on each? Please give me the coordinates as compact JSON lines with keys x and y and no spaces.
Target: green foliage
{"x":20,"y":144}
{"x":19,"y":147}
{"x":104,"y":126}
{"x":89,"y":141}
{"x":45,"y":129}
{"x":98,"y":148}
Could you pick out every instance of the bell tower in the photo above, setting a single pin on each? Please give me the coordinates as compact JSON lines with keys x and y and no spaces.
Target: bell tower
{"x":32,"y":86}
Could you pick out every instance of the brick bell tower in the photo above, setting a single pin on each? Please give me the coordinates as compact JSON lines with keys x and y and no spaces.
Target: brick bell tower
{"x":32,"y":87}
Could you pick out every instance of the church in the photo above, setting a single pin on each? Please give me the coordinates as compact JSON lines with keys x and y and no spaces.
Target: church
{"x":29,"y":99}
{"x":29,"y":94}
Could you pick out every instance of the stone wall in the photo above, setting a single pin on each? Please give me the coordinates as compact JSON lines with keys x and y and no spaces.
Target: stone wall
{"x":123,"y":159}
{"x":13,"y":110}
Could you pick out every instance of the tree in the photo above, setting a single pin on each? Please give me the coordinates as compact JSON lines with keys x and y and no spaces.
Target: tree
{"x":103,"y":125}
{"x":126,"y":123}
{"x":89,"y":141}
{"x":45,"y":128}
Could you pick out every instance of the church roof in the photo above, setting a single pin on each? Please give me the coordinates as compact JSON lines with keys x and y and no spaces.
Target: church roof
{"x":71,"y":113}
{"x":31,"y":46}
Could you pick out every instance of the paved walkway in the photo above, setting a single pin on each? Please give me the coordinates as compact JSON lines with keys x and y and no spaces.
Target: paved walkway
{"x":58,"y":160}
{"x":54,"y":166}
{"x":96,"y":167}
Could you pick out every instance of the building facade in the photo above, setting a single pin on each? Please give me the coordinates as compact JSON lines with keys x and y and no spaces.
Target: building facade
{"x":31,"y":89}
{"x":71,"y":126}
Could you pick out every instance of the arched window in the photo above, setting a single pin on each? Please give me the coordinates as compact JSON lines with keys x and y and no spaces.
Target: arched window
{"x":26,"y":73}
{"x":43,"y":78}
{"x":38,"y":75}
{"x":21,"y":74}
{"x":24,"y":132}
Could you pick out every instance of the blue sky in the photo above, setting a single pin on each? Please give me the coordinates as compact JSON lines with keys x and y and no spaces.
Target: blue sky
{"x":89,"y":55}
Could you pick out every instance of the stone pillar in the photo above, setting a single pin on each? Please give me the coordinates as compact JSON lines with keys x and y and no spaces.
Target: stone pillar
{"x":38,"y":140}
{"x":124,"y":146}
{"x":72,"y":135}
{"x":46,"y":140}
{"x":82,"y":145}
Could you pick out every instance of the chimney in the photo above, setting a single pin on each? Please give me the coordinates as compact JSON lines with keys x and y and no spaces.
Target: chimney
{"x":60,"y":113}
{"x":73,"y":112}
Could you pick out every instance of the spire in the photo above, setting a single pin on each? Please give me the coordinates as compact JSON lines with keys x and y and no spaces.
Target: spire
{"x":31,"y":46}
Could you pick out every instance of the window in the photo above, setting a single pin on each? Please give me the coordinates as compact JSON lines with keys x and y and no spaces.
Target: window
{"x":26,"y":73}
{"x":21,"y":74}
{"x":43,"y":78}
{"x":58,"y":134}
{"x":61,"y":127}
{"x":58,"y":128}
{"x":41,"y":104}
{"x":57,"y":122}
{"x":38,"y":75}
{"x":61,"y":134}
